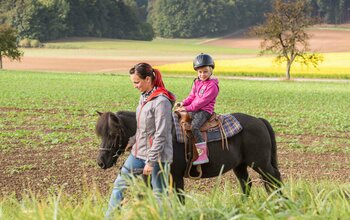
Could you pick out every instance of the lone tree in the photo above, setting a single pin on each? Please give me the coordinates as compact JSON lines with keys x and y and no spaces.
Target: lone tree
{"x":284,"y":33}
{"x":8,"y":44}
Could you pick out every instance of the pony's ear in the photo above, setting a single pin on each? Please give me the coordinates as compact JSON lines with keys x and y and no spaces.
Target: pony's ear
{"x":114,"y":117}
{"x":99,"y":113}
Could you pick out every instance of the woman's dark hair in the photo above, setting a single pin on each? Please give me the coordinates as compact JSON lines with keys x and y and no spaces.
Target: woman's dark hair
{"x":143,"y":70}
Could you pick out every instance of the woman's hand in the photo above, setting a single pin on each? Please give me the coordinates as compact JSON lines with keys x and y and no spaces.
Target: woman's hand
{"x":147,"y":170}
{"x":128,"y":147}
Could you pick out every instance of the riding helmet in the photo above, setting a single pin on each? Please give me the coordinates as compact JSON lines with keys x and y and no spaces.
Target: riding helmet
{"x":203,"y":60}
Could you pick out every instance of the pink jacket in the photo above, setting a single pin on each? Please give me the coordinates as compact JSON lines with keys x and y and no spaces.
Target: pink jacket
{"x":202,"y":96}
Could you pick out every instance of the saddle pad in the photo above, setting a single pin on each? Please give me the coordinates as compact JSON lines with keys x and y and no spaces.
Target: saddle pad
{"x":230,"y":124}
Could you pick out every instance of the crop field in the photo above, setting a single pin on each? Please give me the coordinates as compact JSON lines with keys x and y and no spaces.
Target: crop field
{"x":335,"y":65}
{"x":48,"y":141}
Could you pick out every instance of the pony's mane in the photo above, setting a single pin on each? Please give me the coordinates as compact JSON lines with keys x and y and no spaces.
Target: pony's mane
{"x":108,"y":122}
{"x":102,"y":124}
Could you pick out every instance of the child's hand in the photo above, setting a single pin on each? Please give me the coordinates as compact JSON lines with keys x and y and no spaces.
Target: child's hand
{"x":179,"y":104}
{"x":181,"y":109}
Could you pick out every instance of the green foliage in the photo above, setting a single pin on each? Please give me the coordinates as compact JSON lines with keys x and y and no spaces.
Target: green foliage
{"x":24,"y":42}
{"x":35,"y":43}
{"x":334,"y":12}
{"x":106,"y":18}
{"x":8,"y":44}
{"x":196,"y":18}
{"x":52,"y":19}
{"x":29,"y":43}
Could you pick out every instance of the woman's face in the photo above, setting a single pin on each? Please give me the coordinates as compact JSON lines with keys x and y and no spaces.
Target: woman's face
{"x":143,"y":85}
{"x":204,"y":72}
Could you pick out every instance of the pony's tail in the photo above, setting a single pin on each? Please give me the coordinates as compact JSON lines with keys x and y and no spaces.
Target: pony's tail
{"x":273,"y":143}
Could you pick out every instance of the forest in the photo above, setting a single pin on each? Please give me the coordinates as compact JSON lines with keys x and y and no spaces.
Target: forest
{"x":48,"y":20}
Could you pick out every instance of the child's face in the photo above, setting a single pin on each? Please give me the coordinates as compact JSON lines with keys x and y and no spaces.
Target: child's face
{"x":204,"y":72}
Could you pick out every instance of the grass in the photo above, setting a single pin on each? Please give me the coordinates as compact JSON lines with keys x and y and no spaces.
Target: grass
{"x":125,"y":48}
{"x":39,"y":109}
{"x":324,"y":200}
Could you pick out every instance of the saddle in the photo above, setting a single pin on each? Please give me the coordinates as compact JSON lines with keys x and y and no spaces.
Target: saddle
{"x":185,"y":121}
{"x":191,"y":153}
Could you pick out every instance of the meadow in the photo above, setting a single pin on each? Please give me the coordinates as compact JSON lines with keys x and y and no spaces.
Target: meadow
{"x":174,"y":57}
{"x":176,"y":49}
{"x":48,"y":149}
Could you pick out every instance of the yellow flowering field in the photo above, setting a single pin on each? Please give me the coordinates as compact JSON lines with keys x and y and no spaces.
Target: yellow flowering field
{"x":334,"y":65}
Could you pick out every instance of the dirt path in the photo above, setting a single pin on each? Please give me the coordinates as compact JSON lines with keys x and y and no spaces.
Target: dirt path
{"x":55,"y":64}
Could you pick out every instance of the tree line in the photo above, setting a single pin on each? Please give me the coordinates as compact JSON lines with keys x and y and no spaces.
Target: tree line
{"x":52,"y":19}
{"x":144,"y":19}
{"x":331,"y":11}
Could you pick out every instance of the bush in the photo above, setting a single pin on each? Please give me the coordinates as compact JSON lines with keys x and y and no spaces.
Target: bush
{"x":35,"y":43}
{"x":24,"y":43}
{"x":146,"y":30}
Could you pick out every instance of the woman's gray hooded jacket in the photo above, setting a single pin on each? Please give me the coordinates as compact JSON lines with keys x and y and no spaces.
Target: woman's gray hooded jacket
{"x":153,"y":139}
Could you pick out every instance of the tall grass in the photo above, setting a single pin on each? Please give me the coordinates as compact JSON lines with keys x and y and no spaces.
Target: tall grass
{"x":301,"y":200}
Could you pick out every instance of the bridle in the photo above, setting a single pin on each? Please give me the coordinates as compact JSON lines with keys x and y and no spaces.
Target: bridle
{"x":120,"y":150}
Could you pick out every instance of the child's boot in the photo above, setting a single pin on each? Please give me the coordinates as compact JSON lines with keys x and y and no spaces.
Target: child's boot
{"x":202,"y":150}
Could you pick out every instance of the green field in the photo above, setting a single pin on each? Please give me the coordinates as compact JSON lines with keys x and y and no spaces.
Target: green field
{"x":121,"y":49}
{"x":64,"y":103}
{"x":42,"y":111}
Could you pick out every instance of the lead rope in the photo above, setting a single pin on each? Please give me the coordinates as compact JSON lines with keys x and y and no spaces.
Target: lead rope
{"x":224,"y":140}
{"x":190,"y":165}
{"x":187,"y":157}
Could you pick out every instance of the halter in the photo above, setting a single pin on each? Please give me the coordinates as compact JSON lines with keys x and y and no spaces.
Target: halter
{"x":120,"y":149}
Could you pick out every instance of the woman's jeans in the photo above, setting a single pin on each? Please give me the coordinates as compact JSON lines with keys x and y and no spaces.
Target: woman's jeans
{"x":159,"y":179}
{"x":198,"y":119}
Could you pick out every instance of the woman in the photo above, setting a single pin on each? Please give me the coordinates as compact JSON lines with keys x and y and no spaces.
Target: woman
{"x":152,"y":148}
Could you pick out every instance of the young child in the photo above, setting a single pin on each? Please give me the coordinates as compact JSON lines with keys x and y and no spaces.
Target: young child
{"x":200,"y":102}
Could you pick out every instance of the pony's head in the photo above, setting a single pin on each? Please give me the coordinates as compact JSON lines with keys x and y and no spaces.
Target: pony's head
{"x":111,"y":130}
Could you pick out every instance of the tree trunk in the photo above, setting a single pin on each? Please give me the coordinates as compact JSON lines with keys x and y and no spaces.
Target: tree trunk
{"x":289,"y":64}
{"x":0,"y":61}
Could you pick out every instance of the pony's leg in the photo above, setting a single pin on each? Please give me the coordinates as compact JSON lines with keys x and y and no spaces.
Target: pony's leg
{"x":272,"y":178}
{"x":179,"y":187}
{"x":244,"y":180}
